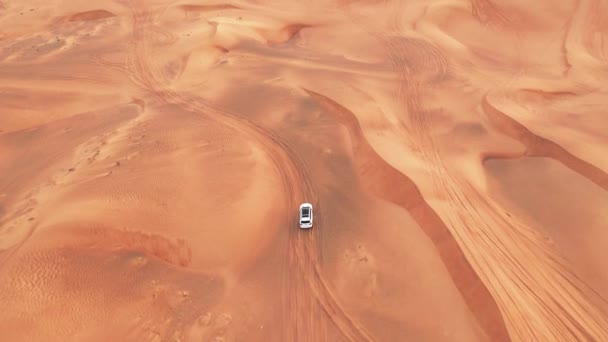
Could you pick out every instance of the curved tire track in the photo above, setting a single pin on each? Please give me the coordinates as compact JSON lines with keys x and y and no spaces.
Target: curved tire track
{"x":388,"y":183}
{"x":538,"y":295}
{"x":487,"y":12}
{"x":309,"y":296}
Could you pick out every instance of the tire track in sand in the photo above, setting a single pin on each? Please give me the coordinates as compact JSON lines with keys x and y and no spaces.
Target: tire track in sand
{"x":487,"y":13}
{"x":309,"y":298}
{"x":539,"y":296}
{"x":388,"y":183}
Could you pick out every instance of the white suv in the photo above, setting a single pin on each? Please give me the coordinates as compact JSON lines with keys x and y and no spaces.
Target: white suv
{"x":306,"y":215}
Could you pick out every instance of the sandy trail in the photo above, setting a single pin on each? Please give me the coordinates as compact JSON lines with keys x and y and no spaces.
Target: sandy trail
{"x":309,"y":298}
{"x":154,"y":153}
{"x":565,"y":309}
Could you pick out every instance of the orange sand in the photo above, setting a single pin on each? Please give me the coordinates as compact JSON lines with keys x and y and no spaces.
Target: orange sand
{"x":153,"y":155}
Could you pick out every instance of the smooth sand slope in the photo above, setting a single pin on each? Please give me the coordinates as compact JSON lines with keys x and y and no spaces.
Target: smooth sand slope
{"x":153,"y":155}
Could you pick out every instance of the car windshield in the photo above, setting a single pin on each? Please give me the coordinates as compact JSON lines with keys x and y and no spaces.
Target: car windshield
{"x":305,"y":212}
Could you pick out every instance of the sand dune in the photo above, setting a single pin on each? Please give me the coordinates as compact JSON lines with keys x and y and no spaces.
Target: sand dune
{"x":153,"y":155}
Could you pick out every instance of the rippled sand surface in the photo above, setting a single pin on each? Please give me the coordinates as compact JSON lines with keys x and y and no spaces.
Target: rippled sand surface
{"x":153,"y":155}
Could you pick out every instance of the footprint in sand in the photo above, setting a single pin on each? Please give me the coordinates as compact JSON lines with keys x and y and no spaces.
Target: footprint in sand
{"x":221,"y":323}
{"x":208,"y":327}
{"x":361,"y":267}
{"x":205,"y":319}
{"x":223,"y":320}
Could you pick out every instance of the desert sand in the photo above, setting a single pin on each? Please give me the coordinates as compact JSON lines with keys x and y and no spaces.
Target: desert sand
{"x":153,"y":155}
